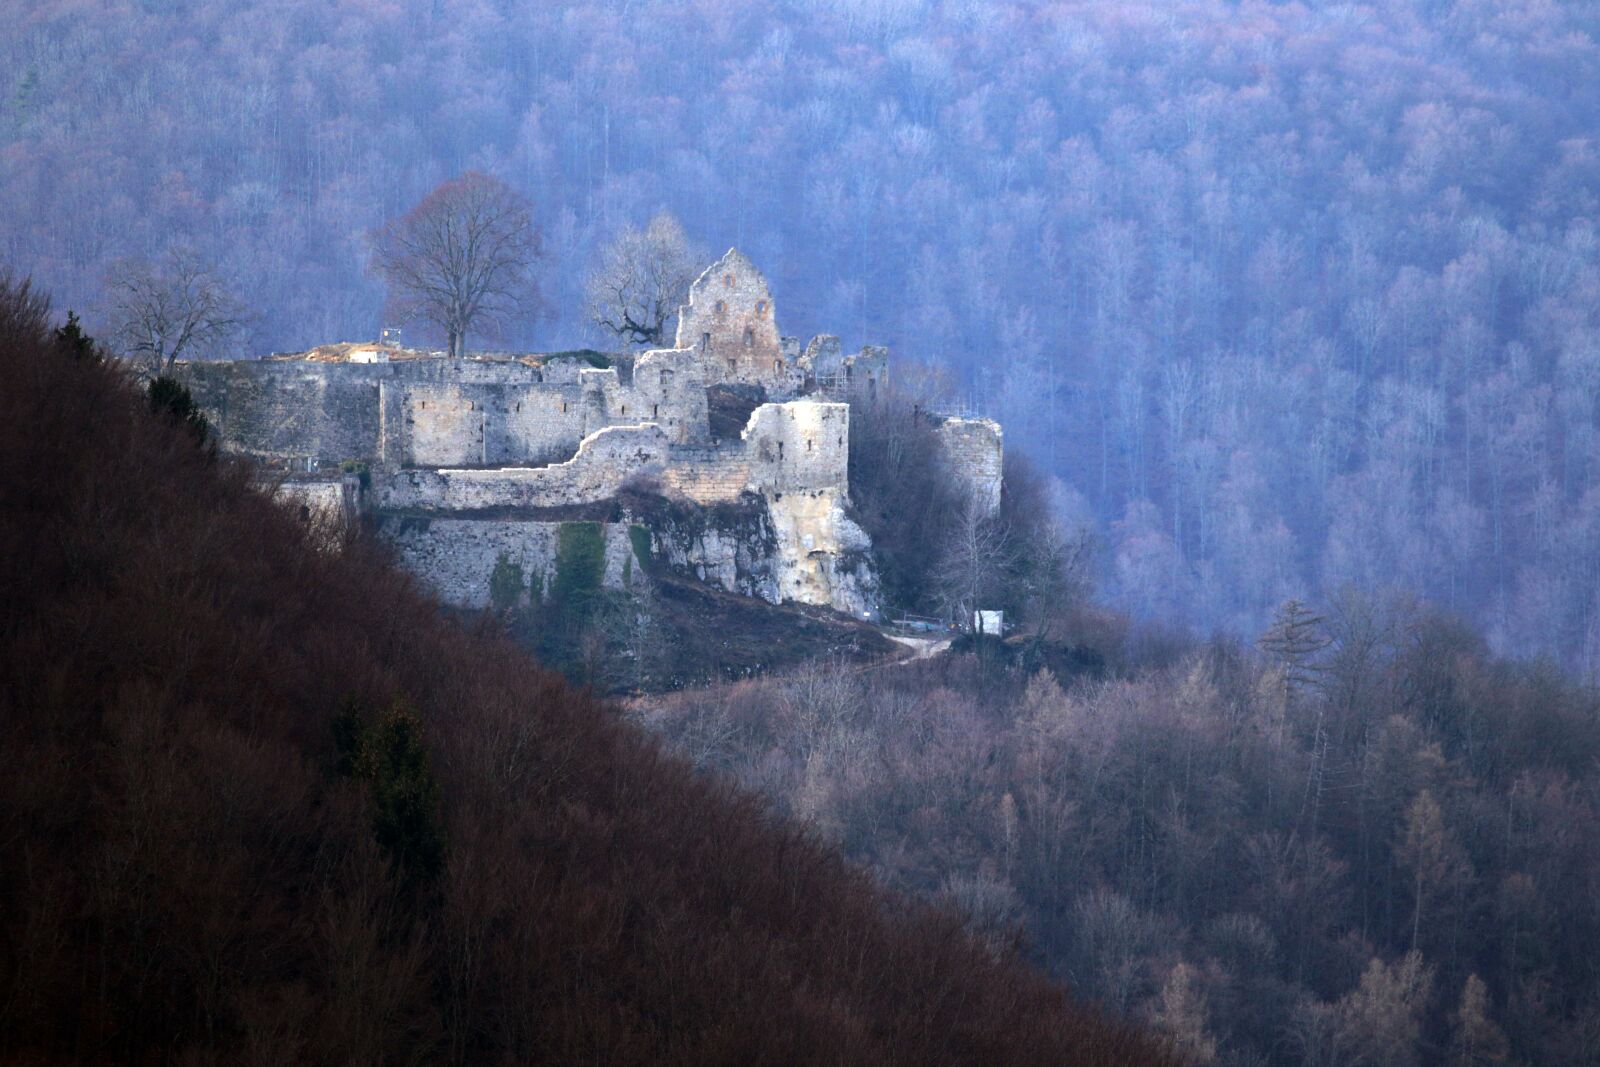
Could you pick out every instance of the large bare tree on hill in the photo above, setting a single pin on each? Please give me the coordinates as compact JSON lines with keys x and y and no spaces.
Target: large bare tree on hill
{"x":641,"y":279}
{"x":462,"y":258}
{"x":164,"y":310}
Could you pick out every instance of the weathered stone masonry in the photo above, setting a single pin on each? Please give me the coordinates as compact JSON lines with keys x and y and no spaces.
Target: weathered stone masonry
{"x":462,"y":457}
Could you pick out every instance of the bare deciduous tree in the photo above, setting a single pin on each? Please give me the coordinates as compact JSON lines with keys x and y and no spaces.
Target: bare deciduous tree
{"x":1478,"y":1041}
{"x":976,"y":557}
{"x":1380,"y":1021}
{"x":1431,"y":853}
{"x":1182,"y":1015}
{"x":461,"y":259}
{"x":164,"y":310}
{"x":641,"y":280}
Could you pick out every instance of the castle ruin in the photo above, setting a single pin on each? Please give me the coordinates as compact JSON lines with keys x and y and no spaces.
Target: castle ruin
{"x":468,"y":463}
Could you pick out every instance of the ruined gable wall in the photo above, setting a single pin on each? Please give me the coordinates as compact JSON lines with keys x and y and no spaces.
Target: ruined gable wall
{"x":730,"y":321}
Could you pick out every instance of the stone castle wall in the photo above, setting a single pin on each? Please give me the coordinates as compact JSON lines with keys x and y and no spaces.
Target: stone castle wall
{"x":467,"y":454}
{"x":289,"y":410}
{"x":795,"y":446}
{"x":708,"y":474}
{"x":603,"y":464}
{"x":974,"y":450}
{"x":799,"y":446}
{"x":438,"y":412}
{"x":456,"y":557}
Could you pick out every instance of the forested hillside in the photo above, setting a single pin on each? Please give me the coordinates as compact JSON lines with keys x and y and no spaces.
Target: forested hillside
{"x":261,"y":803}
{"x":1366,"y":844}
{"x":1290,"y":295}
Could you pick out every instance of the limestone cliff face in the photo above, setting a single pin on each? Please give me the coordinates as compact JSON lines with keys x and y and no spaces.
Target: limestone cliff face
{"x":729,"y":545}
{"x":797,"y":547}
{"x":822,"y":557}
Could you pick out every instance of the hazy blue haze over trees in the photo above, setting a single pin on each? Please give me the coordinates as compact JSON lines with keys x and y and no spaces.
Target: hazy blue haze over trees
{"x":1371,"y":844}
{"x":1291,"y":296}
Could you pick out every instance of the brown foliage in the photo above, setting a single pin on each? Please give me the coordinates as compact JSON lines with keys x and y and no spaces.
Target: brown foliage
{"x":1287,"y":874}
{"x":185,"y":875}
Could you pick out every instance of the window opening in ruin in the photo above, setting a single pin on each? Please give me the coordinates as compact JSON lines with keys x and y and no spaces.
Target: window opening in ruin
{"x":519,"y":407}
{"x":305,"y":513}
{"x":780,"y":451}
{"x":655,"y":409}
{"x":777,"y":366}
{"x":808,"y":444}
{"x":761,"y":307}
{"x":705,"y":341}
{"x":624,"y":409}
{"x":727,"y":279}
{"x":722,"y":306}
{"x":749,"y":337}
{"x":563,"y":407}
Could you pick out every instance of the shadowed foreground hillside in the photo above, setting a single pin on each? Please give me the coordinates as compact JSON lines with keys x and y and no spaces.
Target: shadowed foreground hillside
{"x":220,"y":842}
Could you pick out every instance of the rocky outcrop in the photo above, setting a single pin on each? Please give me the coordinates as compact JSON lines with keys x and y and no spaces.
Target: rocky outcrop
{"x":796,"y":547}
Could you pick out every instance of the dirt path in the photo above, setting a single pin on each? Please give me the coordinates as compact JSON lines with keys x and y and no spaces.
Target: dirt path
{"x":922,"y":647}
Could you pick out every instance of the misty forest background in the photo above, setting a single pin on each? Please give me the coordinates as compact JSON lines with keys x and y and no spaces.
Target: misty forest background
{"x":1291,"y":297}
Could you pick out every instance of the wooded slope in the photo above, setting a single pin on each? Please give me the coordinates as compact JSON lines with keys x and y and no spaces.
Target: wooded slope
{"x":218,"y":835}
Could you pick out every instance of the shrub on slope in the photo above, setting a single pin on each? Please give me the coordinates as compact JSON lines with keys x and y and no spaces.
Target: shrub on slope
{"x":196,"y":863}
